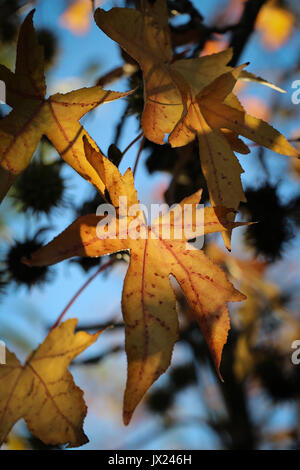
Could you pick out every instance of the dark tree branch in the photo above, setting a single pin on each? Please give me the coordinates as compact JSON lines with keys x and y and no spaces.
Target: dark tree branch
{"x":244,"y":29}
{"x":100,"y":357}
{"x":100,"y":326}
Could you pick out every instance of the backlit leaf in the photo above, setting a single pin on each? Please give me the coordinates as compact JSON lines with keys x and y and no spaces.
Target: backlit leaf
{"x":145,"y":35}
{"x":43,"y":392}
{"x":148,"y":301}
{"x":191,"y":98}
{"x":34,"y":115}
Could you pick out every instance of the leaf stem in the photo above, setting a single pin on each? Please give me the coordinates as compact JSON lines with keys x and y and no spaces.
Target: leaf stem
{"x":132,"y":143}
{"x":138,"y":155}
{"x":82,"y":288}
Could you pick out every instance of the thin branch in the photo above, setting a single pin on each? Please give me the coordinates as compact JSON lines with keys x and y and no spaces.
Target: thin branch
{"x":125,"y":70}
{"x":245,"y":28}
{"x":138,"y":155}
{"x":132,"y":143}
{"x":121,"y":123}
{"x":100,"y":357}
{"x":82,"y":288}
{"x":100,"y":326}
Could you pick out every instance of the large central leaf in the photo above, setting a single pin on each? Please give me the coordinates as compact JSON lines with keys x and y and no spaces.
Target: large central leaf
{"x":148,"y":300}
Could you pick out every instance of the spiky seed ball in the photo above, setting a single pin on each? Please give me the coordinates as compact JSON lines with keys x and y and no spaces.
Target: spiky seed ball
{"x":87,"y":263}
{"x":293,"y":209}
{"x":9,"y":21}
{"x":90,"y":205}
{"x":19,"y":272}
{"x":187,"y":175}
{"x":160,"y":400}
{"x":47,"y":38}
{"x":269,"y":236}
{"x":3,"y":283}
{"x":114,"y":154}
{"x":183,"y":375}
{"x":280,"y":377}
{"x":39,"y":188}
{"x":161,"y":157}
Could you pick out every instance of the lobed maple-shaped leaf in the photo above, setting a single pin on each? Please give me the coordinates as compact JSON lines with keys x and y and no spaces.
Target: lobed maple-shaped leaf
{"x":43,"y":392}
{"x":213,"y":110}
{"x":145,"y":35}
{"x":34,"y":115}
{"x":148,"y":300}
{"x":207,"y":116}
{"x":191,"y":98}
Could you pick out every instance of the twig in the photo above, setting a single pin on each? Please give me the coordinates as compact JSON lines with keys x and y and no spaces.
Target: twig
{"x":138,"y":155}
{"x":245,"y":28}
{"x":100,"y":326}
{"x":120,"y":125}
{"x":132,"y":143}
{"x":100,"y":357}
{"x":82,"y":288}
{"x":125,"y":70}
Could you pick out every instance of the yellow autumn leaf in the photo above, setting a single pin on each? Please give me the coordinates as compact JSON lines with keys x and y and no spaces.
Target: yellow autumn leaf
{"x":148,"y":300}
{"x":275,"y":24}
{"x":34,"y":115}
{"x":145,"y":35}
{"x":219,"y":164}
{"x":15,"y":443}
{"x":251,"y":77}
{"x":207,"y":117}
{"x":215,"y":45}
{"x":220,"y":115}
{"x":77,"y":17}
{"x":43,"y":392}
{"x":180,"y":96}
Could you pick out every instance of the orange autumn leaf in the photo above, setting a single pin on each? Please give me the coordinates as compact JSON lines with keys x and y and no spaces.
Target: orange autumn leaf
{"x":33,"y":115}
{"x":77,"y":17}
{"x":206,"y":117}
{"x":215,"y":45}
{"x":180,"y":96}
{"x":219,"y":164}
{"x":145,"y":35}
{"x":148,"y":300}
{"x":275,"y":24}
{"x":43,"y":392}
{"x":246,"y":76}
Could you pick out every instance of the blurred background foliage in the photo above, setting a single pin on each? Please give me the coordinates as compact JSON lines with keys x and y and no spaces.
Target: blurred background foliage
{"x":258,"y":405}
